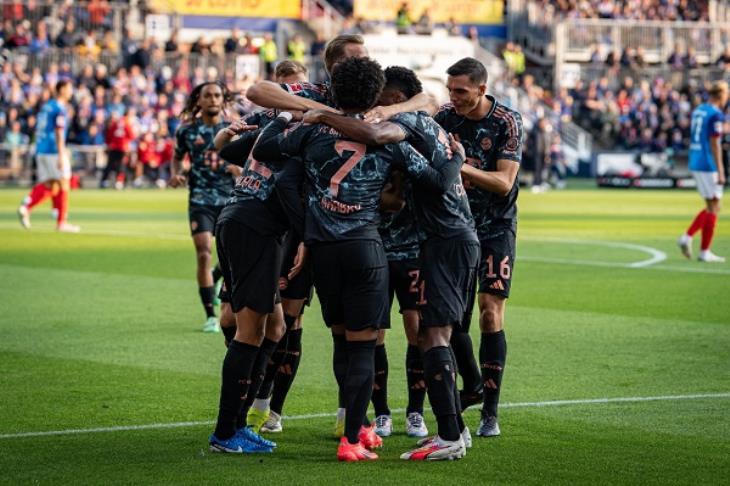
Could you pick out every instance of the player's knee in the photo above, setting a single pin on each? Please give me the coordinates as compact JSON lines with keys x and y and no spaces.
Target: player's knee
{"x":203,"y":256}
{"x":490,"y":319}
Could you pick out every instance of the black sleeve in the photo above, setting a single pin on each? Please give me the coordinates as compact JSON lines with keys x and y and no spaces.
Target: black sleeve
{"x":237,"y":152}
{"x":276,"y":144}
{"x":288,"y":187}
{"x":433,"y":178}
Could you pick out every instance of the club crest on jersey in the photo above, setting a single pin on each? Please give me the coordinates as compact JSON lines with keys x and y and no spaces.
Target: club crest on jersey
{"x":512,"y":144}
{"x":486,"y":144}
{"x":199,"y":141}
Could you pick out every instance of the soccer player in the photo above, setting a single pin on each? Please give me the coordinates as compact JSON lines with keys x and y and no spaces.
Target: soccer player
{"x":307,"y":96}
{"x":401,"y":239}
{"x":448,"y":257}
{"x":248,"y":235}
{"x":492,"y":137}
{"x":53,"y":160}
{"x":266,"y":410}
{"x":344,"y":181}
{"x":705,"y":163}
{"x":210,"y":181}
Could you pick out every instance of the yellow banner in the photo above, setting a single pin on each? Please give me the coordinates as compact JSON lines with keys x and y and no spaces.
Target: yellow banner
{"x":440,"y":11}
{"x":231,"y":8}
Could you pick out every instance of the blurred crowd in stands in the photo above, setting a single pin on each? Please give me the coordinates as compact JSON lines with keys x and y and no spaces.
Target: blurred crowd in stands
{"x":688,"y":10}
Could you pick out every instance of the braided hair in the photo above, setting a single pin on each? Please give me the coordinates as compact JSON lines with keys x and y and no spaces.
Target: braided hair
{"x":191,"y":110}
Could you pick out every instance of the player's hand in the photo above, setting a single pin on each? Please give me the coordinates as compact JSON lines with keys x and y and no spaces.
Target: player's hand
{"x":721,"y":179}
{"x":234,"y":170}
{"x":296,"y":115}
{"x":456,"y":147}
{"x":178,"y":181}
{"x":299,"y":261}
{"x":312,"y":116}
{"x":378,"y":114}
{"x":240,"y":126}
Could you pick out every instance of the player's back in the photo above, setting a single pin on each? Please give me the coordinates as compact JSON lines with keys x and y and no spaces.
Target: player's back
{"x":344,"y":181}
{"x":51,"y":116}
{"x":707,"y":122}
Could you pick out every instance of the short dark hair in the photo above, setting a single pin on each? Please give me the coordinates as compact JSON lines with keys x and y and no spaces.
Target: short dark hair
{"x":404,"y":80}
{"x":335,"y":49}
{"x":471,"y":67}
{"x":357,"y":83}
{"x":288,"y":68}
{"x":61,"y":84}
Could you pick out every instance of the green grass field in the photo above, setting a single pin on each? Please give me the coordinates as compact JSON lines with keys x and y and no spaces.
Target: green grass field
{"x":100,"y":330}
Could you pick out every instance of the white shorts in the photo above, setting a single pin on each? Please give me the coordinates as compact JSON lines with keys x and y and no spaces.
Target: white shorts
{"x":48,"y":168}
{"x":707,"y":185}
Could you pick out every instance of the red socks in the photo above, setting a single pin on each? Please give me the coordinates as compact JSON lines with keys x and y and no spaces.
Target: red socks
{"x":37,"y":195}
{"x":698,"y":223}
{"x":708,"y":230}
{"x":60,"y":204}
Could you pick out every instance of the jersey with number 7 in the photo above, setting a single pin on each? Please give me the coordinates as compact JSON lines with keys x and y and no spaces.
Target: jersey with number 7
{"x":344,"y":179}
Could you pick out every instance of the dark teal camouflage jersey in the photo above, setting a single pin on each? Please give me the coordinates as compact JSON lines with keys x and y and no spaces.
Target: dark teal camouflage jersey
{"x":399,"y":231}
{"x":446,"y":215}
{"x":497,"y":136}
{"x":209,"y":183}
{"x":344,"y":179}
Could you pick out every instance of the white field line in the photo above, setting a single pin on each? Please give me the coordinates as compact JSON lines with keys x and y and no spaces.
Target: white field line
{"x":656,"y":255}
{"x":549,"y":403}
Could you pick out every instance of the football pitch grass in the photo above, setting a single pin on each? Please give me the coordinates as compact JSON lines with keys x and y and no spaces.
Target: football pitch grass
{"x":106,"y":378}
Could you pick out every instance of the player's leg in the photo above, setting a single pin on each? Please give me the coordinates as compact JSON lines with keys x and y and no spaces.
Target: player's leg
{"x":254,"y":417}
{"x":708,"y":229}
{"x":466,"y":363}
{"x":201,"y":225}
{"x":245,"y":259}
{"x":39,"y":193}
{"x":365,"y":309}
{"x":289,"y":363}
{"x":447,"y":274}
{"x":495,"y":280}
{"x":235,"y":380}
{"x":383,"y":420}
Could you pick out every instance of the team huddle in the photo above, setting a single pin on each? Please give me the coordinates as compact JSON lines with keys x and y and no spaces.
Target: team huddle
{"x":367,"y":191}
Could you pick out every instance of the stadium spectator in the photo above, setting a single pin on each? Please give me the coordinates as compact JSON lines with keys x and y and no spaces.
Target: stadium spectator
{"x":172,"y":44}
{"x":424,"y":26}
{"x":269,"y":55}
{"x":19,"y":37}
{"x":98,"y":13}
{"x":403,"y":19}
{"x":41,"y":41}
{"x":296,"y":48}
{"x":233,"y":43}
{"x":515,"y":58}
{"x":68,"y":37}
{"x":453,"y":28}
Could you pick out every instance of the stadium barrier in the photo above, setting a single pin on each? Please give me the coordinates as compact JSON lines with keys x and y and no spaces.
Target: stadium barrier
{"x":678,"y":77}
{"x":16,"y":161}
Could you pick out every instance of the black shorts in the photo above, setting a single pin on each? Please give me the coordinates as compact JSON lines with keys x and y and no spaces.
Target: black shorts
{"x":202,"y":218}
{"x":497,"y":261}
{"x":351,"y":279}
{"x":448,"y":269}
{"x":250,"y":265}
{"x":404,"y":283}
{"x":301,"y":286}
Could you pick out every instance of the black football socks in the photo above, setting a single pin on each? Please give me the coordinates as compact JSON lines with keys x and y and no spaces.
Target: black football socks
{"x":492,"y":356}
{"x":380,"y":384}
{"x":207,"y":296}
{"x":235,"y":380}
{"x":415,"y":380}
{"x":439,"y":372}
